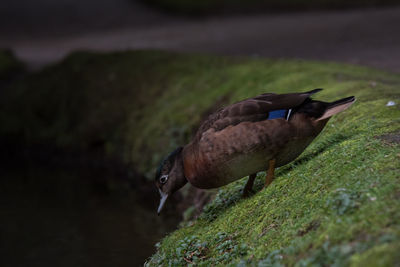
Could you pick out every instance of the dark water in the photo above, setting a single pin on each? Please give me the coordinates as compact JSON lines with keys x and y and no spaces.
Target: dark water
{"x":61,"y":217}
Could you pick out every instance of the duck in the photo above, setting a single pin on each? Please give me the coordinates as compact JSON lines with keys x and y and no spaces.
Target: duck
{"x":253,"y":135}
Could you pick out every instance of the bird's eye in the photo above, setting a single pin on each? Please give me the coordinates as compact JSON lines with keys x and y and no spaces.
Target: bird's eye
{"x":163,"y":179}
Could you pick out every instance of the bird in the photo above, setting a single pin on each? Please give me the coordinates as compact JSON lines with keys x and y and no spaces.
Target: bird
{"x":253,"y":135}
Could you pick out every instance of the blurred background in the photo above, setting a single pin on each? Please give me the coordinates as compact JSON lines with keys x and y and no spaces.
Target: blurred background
{"x":71,"y":193}
{"x":355,"y":31}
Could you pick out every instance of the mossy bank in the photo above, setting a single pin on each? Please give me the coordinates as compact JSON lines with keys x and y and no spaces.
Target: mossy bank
{"x":337,"y":204}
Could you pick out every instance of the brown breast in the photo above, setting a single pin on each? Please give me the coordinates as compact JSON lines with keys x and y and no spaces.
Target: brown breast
{"x":221,"y":157}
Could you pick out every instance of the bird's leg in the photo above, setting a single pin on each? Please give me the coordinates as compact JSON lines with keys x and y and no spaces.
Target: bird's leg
{"x":248,"y":188}
{"x":270,"y":173}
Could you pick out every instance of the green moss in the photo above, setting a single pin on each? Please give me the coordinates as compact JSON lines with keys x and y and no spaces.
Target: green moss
{"x":380,"y":255}
{"x":335,"y":202}
{"x":339,"y":206}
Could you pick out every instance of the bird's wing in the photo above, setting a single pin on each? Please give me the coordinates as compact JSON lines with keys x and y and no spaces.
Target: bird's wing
{"x":254,"y":109}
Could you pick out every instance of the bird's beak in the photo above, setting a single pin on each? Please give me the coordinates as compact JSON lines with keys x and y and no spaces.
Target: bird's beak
{"x":162,"y":201}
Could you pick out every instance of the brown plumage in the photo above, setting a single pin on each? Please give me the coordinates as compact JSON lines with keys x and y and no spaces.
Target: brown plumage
{"x":256,"y":134}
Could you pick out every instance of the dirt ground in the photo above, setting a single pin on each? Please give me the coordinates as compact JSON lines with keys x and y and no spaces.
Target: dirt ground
{"x":365,"y":36}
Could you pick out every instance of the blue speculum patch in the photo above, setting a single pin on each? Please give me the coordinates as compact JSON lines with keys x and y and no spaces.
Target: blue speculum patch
{"x":276,"y":114}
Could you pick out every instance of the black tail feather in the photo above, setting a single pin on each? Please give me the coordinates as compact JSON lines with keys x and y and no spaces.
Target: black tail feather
{"x":341,"y":101}
{"x":314,"y":91}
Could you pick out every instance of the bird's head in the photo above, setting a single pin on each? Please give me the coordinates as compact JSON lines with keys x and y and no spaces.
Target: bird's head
{"x":170,"y":176}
